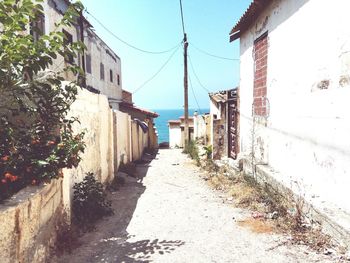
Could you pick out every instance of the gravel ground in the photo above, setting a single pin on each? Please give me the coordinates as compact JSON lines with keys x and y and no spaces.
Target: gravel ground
{"x":170,"y":214}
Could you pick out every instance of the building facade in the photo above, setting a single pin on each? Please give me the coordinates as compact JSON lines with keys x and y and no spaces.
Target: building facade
{"x":294,"y":90}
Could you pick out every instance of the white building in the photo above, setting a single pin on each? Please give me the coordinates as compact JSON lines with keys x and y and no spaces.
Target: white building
{"x":294,"y":97}
{"x":102,"y":66}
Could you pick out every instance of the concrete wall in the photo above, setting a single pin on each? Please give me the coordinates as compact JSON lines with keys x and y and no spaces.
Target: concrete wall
{"x":29,"y":219}
{"x":28,"y":223}
{"x":96,"y":49}
{"x":175,"y":139}
{"x":139,"y":141}
{"x":199,"y":126}
{"x":99,"y":52}
{"x":305,"y":134}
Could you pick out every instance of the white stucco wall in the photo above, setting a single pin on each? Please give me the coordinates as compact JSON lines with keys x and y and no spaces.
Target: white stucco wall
{"x":174,"y":136}
{"x":101,"y":53}
{"x":306,"y":133}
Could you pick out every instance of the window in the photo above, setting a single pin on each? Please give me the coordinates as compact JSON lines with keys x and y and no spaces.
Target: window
{"x":37,"y":27}
{"x":118,"y":79}
{"x":102,"y":71}
{"x":88,"y":64}
{"x":260,"y":75}
{"x":68,"y":40}
{"x":111,"y":75}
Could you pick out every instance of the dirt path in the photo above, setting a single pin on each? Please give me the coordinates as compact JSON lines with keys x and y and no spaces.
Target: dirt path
{"x":171,"y":215}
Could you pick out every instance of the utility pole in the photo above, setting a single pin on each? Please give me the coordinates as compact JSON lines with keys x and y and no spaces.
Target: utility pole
{"x":186,"y":130}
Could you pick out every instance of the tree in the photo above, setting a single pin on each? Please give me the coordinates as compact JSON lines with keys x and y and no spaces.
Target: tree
{"x":36,"y":136}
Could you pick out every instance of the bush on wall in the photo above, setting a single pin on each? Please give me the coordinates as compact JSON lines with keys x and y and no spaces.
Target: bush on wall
{"x":36,"y":136}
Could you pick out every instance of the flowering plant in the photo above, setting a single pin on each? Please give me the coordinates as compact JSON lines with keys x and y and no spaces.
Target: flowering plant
{"x":36,"y":136}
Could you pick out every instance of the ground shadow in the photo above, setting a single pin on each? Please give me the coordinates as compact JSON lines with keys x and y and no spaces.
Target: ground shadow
{"x":138,"y":251}
{"x":110,"y":241}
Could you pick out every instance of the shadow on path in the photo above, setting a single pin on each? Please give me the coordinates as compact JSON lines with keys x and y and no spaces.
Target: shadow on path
{"x":110,"y":242}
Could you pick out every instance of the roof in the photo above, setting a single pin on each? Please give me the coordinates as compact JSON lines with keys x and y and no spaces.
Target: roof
{"x":144,"y":111}
{"x":174,"y":121}
{"x":220,"y":96}
{"x":249,"y":16}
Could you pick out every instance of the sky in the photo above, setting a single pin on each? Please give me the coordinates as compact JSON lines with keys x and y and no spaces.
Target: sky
{"x":155,"y":25}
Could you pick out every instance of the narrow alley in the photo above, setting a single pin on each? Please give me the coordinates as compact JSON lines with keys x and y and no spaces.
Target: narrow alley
{"x":170,"y":214}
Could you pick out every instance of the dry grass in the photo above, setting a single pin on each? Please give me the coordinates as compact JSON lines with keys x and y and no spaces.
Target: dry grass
{"x":247,"y":193}
{"x":260,"y":226}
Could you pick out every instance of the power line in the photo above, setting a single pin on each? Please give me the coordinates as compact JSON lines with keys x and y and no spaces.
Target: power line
{"x":212,"y":55}
{"x":194,"y":72}
{"x":182,"y":18}
{"x":161,"y":68}
{"x":194,"y":95}
{"x":126,"y":43}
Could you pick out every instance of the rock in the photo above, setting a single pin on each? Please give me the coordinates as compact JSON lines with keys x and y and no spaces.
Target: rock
{"x":273,"y":215}
{"x":257,"y":215}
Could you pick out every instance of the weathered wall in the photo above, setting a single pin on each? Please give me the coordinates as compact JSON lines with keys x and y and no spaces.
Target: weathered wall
{"x":123,"y":137}
{"x":305,"y":135}
{"x":99,"y":52}
{"x":199,"y":126}
{"x":28,"y":223}
{"x":174,"y":136}
{"x":139,"y":141}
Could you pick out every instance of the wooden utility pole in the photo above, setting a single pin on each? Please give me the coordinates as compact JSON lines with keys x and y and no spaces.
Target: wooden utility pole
{"x":186,"y":130}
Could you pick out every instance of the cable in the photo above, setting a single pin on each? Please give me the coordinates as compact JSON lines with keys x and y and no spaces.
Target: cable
{"x":161,"y":68}
{"x":212,"y":55}
{"x":194,"y":95}
{"x":182,"y":18}
{"x":200,"y":83}
{"x":126,"y":43}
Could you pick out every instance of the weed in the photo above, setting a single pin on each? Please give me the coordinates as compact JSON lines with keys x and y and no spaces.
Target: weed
{"x":191,"y":149}
{"x":89,"y":203}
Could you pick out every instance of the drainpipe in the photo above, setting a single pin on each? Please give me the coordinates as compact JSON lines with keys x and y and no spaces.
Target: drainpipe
{"x":81,"y":26}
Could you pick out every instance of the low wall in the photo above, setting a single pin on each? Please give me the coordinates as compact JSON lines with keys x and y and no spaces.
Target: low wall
{"x":29,"y":219}
{"x":28,"y":223}
{"x":139,"y":141}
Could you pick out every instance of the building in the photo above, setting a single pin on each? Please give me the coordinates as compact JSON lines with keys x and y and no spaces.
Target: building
{"x":177,"y":131}
{"x":101,"y":65}
{"x":142,"y":116}
{"x":294,"y":114}
{"x":223,"y":123}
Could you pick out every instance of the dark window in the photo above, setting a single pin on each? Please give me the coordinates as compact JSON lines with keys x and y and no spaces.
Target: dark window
{"x":88,"y":64}
{"x":68,"y":40}
{"x":102,"y":71}
{"x":111,"y":75}
{"x":118,"y":79}
{"x":37,"y":27}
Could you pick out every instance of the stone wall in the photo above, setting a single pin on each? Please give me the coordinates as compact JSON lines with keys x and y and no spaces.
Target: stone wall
{"x":28,"y":223}
{"x":30,"y":219}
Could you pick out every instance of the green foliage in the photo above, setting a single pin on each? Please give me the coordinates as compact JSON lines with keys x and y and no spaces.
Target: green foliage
{"x":191,"y":149}
{"x":208,"y":151}
{"x":89,"y":202}
{"x":36,"y":136}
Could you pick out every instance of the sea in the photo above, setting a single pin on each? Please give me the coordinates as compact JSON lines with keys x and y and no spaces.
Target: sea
{"x":166,"y":115}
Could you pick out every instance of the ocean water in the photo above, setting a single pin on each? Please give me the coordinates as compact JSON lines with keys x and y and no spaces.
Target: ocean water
{"x":166,"y":115}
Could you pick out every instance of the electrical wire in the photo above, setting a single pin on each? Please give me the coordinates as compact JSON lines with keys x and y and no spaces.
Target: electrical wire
{"x":212,"y":55}
{"x":126,"y":43}
{"x":194,"y":95}
{"x":194,"y":72}
{"x":182,"y":18}
{"x":161,"y":68}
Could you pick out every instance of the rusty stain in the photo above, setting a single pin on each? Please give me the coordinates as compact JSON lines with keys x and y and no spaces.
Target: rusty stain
{"x":18,"y":233}
{"x":260,"y":226}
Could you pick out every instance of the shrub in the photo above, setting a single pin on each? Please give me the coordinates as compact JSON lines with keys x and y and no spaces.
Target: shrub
{"x":36,"y":136}
{"x":191,"y":149}
{"x":89,"y":202}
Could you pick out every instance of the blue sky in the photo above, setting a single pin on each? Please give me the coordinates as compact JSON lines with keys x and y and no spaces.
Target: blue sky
{"x":155,"y":25}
